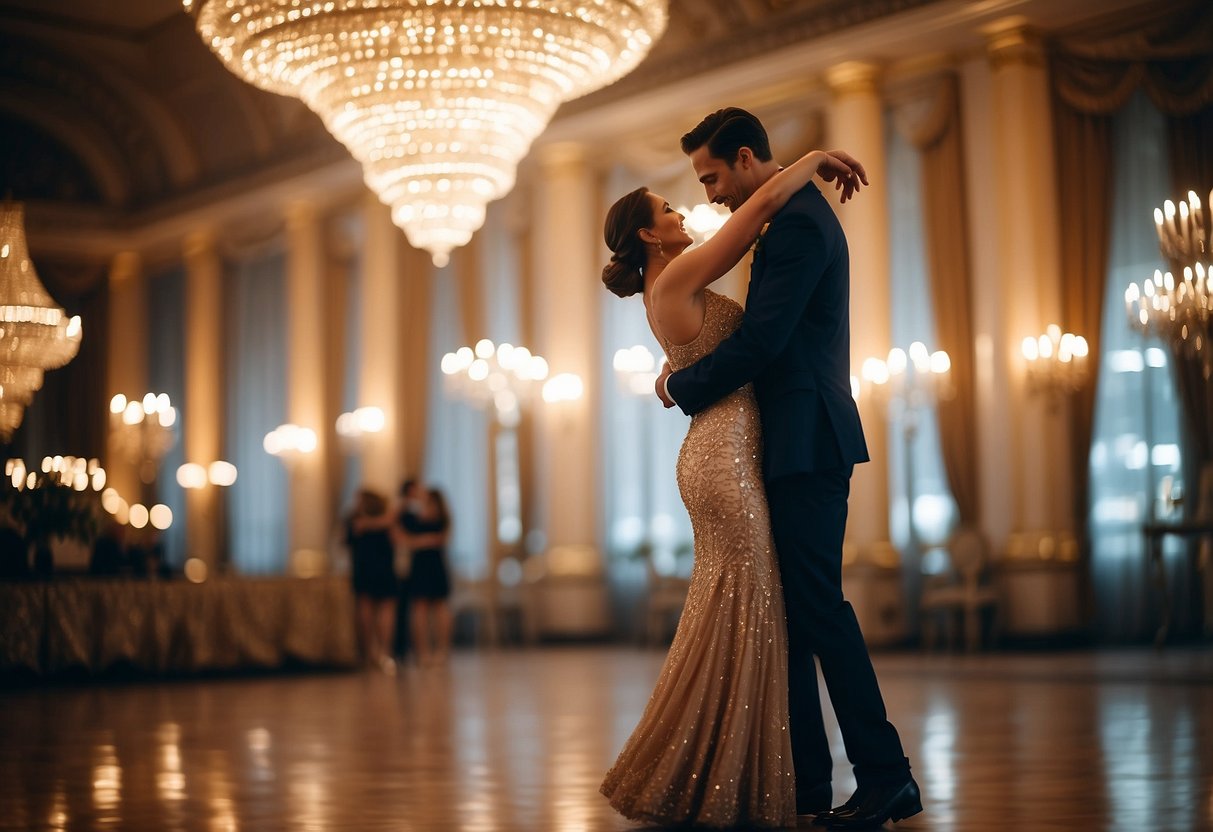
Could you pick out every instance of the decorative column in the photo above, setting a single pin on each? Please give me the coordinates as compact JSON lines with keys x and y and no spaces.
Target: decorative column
{"x":379,"y":370}
{"x":202,"y":412}
{"x":857,"y":126}
{"x":309,"y":474}
{"x":566,"y":333}
{"x":126,"y":362}
{"x":1036,"y":479}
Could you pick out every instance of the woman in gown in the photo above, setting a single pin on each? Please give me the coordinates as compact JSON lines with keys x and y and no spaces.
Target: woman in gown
{"x":712,"y":748}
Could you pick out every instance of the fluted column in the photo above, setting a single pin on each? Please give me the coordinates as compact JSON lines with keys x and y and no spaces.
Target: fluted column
{"x":857,"y":126}
{"x":1035,"y":478}
{"x":309,"y":515}
{"x":566,"y":328}
{"x":202,"y":413}
{"x":379,"y":371}
{"x":574,"y":598}
{"x":126,"y":361}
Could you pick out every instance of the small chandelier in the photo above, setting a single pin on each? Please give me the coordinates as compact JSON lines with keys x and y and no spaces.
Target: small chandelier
{"x":1177,"y":305}
{"x":36,"y":334}
{"x":437,"y":99}
{"x":498,"y":374}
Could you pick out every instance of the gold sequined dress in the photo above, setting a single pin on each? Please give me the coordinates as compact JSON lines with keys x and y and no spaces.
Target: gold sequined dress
{"x":712,"y":748}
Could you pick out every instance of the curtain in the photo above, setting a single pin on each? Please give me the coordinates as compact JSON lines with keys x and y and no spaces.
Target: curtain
{"x":456,"y":450}
{"x":166,"y":374}
{"x":931,"y":123}
{"x":256,"y":505}
{"x":642,"y":509}
{"x":1136,"y":425}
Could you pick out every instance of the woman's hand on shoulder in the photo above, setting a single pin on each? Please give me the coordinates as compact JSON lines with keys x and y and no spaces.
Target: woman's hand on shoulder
{"x":844,"y":170}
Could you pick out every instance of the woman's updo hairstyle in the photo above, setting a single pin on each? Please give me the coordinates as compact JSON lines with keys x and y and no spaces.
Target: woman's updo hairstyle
{"x":628,"y":257}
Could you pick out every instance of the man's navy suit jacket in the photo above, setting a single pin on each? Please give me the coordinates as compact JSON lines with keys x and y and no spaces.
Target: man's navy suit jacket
{"x":794,"y":344}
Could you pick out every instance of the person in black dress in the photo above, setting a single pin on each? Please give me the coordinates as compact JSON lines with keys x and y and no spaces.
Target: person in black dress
{"x":429,"y":585}
{"x":374,"y":577}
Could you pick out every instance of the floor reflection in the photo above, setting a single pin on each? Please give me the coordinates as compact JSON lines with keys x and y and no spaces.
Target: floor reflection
{"x":505,"y":741}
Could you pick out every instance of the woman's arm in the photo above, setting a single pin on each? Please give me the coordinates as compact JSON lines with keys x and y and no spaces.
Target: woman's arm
{"x":697,"y":268}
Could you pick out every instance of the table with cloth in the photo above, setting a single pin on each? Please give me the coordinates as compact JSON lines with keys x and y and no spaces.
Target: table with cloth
{"x":175,"y":626}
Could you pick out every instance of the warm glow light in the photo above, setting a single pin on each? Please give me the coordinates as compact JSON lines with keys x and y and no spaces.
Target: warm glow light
{"x":289,"y":440}
{"x":221,"y":473}
{"x":161,"y":516}
{"x":118,"y":404}
{"x":139,"y":515}
{"x":564,"y":387}
{"x":195,"y":570}
{"x":110,"y":500}
{"x":191,"y":475}
{"x":438,"y":100}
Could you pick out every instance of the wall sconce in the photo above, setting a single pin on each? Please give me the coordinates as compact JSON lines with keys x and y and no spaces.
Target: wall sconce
{"x":1057,"y":364}
{"x":289,"y":441}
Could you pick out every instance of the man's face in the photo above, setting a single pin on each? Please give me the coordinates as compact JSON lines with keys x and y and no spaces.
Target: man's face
{"x":724,"y":184}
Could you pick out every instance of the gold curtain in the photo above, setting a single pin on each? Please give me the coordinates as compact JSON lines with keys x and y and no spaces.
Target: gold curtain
{"x":415,"y":316}
{"x":1171,"y":58}
{"x":930,"y":120}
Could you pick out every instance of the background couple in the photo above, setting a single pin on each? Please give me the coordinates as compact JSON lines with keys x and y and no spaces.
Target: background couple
{"x":733,"y":734}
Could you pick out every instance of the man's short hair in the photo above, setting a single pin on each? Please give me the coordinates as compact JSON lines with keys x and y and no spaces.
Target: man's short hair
{"x":725,"y":132}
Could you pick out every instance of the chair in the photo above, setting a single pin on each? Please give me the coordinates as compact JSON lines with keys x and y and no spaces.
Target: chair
{"x":960,"y":590}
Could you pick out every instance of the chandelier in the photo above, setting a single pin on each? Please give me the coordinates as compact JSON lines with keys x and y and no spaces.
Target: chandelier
{"x":1177,"y":305}
{"x":35,"y":333}
{"x":437,"y":99}
{"x":500,"y":375}
{"x":1057,"y":363}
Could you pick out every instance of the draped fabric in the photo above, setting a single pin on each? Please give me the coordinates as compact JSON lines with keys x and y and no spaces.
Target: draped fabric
{"x":175,"y":626}
{"x":1136,"y":417}
{"x":1170,"y":59}
{"x":166,"y":374}
{"x":1084,"y":164}
{"x":456,"y":449}
{"x":256,"y":404}
{"x":931,"y":122}
{"x":416,"y":297}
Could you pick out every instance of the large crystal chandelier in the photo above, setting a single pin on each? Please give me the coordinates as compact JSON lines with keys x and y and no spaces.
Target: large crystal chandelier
{"x":437,"y":99}
{"x":35,"y":333}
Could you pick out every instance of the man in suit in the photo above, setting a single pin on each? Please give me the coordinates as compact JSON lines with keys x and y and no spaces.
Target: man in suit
{"x":794,"y":345}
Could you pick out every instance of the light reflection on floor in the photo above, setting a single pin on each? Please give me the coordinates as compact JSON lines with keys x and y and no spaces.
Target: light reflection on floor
{"x":518,"y":740}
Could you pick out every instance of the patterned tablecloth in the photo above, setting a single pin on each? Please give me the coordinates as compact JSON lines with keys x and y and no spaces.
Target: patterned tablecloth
{"x":176,"y":626}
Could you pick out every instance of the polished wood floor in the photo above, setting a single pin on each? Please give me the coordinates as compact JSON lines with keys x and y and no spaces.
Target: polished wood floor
{"x":518,"y":740}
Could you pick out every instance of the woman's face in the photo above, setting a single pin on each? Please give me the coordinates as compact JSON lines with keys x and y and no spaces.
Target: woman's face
{"x":667,"y":227}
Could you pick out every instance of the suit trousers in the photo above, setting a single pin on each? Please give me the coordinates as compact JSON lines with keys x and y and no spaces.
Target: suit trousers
{"x":808,"y":520}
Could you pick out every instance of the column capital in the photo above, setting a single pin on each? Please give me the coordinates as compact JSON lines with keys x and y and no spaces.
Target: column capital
{"x":1012,"y":40}
{"x":853,"y":77}
{"x":301,"y":213}
{"x":200,"y":243}
{"x":125,"y":267}
{"x":563,"y":156}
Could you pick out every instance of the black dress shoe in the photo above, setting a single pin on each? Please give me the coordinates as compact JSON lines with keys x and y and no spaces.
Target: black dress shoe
{"x":872,"y":806}
{"x":814,"y":800}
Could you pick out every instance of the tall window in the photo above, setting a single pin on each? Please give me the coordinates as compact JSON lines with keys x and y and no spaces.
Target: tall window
{"x":918,"y":483}
{"x":642,"y":510}
{"x":166,"y":374}
{"x":255,"y":333}
{"x":1135,"y":448}
{"x":456,"y":452}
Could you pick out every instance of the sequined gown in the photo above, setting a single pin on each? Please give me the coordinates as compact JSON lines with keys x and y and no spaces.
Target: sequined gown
{"x":712,"y":748}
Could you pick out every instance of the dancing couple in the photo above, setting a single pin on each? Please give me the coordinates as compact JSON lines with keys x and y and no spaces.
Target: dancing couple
{"x":733,"y":734}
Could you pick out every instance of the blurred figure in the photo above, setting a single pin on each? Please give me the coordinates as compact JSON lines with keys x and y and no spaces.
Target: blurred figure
{"x":426,"y":532}
{"x":374,"y":577}
{"x":109,"y":550}
{"x":14,"y":554}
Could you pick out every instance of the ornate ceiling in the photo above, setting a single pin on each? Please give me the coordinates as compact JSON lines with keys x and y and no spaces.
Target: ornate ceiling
{"x":119,"y":105}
